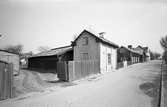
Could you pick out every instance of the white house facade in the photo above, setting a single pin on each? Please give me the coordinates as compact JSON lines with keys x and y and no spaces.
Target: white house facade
{"x":108,"y":58}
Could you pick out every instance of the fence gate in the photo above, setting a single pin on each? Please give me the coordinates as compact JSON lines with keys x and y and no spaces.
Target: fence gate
{"x":62,"y":70}
{"x":6,"y":80}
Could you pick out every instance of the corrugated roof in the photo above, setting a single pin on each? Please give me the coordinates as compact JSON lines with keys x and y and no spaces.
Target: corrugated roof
{"x":96,"y":35}
{"x":55,"y":51}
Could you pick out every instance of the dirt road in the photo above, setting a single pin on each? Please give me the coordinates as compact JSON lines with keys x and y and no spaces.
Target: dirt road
{"x":135,"y":86}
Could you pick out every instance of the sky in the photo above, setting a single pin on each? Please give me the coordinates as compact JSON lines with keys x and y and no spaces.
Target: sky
{"x":54,"y":23}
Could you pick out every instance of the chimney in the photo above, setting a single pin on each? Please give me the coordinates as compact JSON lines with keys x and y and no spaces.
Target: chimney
{"x":102,"y":34}
{"x":130,"y":46}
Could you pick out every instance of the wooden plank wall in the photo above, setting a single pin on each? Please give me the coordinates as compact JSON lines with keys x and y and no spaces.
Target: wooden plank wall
{"x":82,"y":69}
{"x":120,"y":65}
{"x":6,"y":80}
{"x":62,"y":70}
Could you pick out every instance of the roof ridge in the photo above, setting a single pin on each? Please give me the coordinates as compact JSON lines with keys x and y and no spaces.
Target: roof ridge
{"x":98,"y":36}
{"x":61,"y":47}
{"x":132,"y":50}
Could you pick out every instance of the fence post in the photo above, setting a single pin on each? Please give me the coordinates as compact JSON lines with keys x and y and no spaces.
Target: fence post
{"x":11,"y":80}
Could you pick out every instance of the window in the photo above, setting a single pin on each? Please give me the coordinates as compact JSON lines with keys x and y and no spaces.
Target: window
{"x":109,"y":58}
{"x":85,"y":40}
{"x":85,"y":56}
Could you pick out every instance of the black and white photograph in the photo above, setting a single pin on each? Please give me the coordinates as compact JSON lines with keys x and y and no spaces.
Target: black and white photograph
{"x":83,"y":53}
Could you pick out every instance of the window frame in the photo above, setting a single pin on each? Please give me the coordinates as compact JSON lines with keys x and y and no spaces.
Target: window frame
{"x":85,"y":41}
{"x":109,"y":58}
{"x":84,"y":56}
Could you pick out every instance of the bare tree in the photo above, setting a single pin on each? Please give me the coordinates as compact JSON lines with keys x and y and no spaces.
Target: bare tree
{"x":163,"y":42}
{"x":43,"y":48}
{"x":17,"y":49}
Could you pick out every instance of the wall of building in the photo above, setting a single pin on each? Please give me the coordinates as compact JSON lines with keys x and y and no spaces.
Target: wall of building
{"x":43,"y":64}
{"x":105,"y":66}
{"x":11,"y":58}
{"x":86,"y":52}
{"x":124,"y":54}
{"x":148,"y":55}
{"x":96,"y":51}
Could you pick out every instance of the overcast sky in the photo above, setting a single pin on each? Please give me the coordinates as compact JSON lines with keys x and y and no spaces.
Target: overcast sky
{"x":54,"y":23}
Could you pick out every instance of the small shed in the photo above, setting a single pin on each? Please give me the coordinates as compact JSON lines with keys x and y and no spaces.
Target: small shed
{"x":13,"y":58}
{"x":47,"y":61}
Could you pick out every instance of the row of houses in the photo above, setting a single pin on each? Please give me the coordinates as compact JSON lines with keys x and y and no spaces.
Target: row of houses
{"x":134,"y":55}
{"x":90,"y":53}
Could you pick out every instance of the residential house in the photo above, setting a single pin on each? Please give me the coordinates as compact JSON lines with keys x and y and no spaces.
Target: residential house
{"x":92,"y":46}
{"x":128,"y":54}
{"x":143,"y":50}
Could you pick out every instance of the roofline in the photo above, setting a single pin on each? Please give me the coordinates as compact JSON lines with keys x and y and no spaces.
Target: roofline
{"x":139,"y":47}
{"x":3,"y":62}
{"x":130,"y":50}
{"x":61,"y":47}
{"x":8,"y":52}
{"x":50,"y":50}
{"x":114,"y":45}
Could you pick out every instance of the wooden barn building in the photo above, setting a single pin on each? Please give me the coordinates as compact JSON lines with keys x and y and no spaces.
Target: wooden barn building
{"x":13,"y":58}
{"x":47,"y":61}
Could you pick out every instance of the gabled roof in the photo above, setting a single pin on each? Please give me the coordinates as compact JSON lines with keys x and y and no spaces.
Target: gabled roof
{"x":142,"y":48}
{"x":97,"y":36}
{"x":139,"y":47}
{"x":145,"y":48}
{"x":131,"y":50}
{"x":55,"y":51}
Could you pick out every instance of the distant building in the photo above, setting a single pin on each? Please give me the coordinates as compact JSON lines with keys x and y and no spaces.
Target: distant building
{"x":129,"y":54}
{"x":10,"y":57}
{"x":143,"y":50}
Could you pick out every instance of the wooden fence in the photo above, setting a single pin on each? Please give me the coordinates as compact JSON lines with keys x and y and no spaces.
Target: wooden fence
{"x":73,"y":70}
{"x":62,"y":70}
{"x":6,"y":80}
{"x":120,"y":65}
